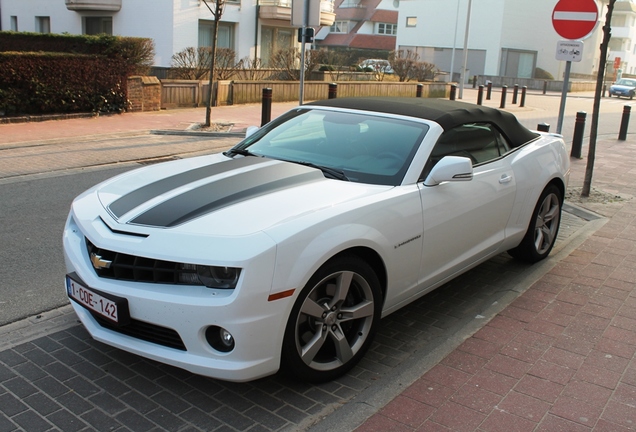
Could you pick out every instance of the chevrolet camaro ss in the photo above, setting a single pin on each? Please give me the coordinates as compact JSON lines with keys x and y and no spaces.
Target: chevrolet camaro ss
{"x":284,"y":252}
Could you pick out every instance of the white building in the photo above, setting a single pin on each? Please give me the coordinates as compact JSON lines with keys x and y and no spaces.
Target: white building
{"x":507,"y":37}
{"x":252,"y":28}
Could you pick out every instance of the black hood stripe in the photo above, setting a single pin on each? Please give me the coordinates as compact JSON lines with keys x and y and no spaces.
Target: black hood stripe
{"x":126,"y":203}
{"x":225,"y":192}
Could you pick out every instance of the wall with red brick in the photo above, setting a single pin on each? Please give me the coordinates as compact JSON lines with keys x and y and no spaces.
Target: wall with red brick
{"x":144,"y":93}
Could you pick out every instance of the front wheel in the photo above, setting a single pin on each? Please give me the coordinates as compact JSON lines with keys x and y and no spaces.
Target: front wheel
{"x":333,"y":321}
{"x":543,"y":229}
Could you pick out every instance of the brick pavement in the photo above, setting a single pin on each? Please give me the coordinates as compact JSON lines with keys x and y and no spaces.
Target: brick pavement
{"x":559,"y":357}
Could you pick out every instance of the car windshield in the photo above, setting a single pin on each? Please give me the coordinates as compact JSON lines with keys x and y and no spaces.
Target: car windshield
{"x":365,"y":148}
{"x":627,"y":82}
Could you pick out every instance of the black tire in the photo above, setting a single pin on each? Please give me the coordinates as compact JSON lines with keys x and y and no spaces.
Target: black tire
{"x":333,"y":321}
{"x":543,"y":229}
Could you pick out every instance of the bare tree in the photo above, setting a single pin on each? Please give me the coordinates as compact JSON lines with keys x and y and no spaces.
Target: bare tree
{"x":287,"y":61}
{"x":423,"y":71}
{"x":591,"y":155}
{"x":249,"y":69}
{"x":225,"y":63}
{"x":403,"y":63}
{"x":191,"y":63}
{"x":217,"y":13}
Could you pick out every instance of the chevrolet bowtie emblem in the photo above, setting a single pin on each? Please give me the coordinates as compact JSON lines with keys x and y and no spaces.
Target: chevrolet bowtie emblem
{"x":99,"y":262}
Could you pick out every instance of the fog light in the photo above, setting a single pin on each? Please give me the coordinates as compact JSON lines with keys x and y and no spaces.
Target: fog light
{"x":219,"y":339}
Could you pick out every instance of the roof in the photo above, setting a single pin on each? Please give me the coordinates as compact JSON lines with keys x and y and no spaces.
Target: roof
{"x":448,"y":114}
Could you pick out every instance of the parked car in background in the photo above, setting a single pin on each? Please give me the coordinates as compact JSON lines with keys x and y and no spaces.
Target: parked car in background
{"x":623,"y":87}
{"x":376,"y":65}
{"x":285,"y":251}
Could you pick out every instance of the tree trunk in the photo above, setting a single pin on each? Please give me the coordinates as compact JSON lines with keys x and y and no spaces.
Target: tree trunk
{"x":591,"y":155}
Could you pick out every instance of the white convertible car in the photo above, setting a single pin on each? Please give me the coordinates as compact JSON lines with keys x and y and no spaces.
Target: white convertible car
{"x":285,"y":251}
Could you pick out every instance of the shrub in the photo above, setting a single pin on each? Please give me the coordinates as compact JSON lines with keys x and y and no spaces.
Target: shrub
{"x":40,"y":83}
{"x":542,"y":74}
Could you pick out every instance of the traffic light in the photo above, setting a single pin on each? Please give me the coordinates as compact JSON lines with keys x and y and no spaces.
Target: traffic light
{"x":309,"y":34}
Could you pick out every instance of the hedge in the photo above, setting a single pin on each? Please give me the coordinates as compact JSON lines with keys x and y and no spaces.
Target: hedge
{"x":63,"y":73}
{"x":42,"y":83}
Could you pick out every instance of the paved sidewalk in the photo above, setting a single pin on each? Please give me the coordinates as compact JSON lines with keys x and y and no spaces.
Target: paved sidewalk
{"x":561,"y":357}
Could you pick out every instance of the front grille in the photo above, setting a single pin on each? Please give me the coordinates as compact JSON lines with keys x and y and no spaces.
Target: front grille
{"x":146,"y":331}
{"x":115,"y":265}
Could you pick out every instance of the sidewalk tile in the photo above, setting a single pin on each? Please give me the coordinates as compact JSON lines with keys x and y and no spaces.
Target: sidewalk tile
{"x":524,"y":406}
{"x":557,"y":424}
{"x":429,"y":392}
{"x":458,"y":417}
{"x":577,"y":411}
{"x":501,"y":421}
{"x":408,"y":411}
{"x":539,"y":388}
{"x":476,"y":398}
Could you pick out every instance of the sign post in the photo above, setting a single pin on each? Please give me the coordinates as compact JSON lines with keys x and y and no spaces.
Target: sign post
{"x":305,"y":14}
{"x":572,"y":19}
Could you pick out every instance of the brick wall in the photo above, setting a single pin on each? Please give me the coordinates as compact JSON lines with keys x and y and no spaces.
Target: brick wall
{"x":144,"y":93}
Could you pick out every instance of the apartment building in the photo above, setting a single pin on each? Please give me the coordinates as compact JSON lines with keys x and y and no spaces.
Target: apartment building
{"x":252,"y":28}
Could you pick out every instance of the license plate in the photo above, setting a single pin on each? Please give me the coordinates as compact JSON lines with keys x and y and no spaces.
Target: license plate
{"x":112,"y":308}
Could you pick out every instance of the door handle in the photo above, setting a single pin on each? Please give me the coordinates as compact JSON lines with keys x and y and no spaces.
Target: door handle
{"x":505,"y":178}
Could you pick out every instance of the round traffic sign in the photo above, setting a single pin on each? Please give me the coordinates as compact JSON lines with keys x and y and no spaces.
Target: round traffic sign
{"x":574,"y":19}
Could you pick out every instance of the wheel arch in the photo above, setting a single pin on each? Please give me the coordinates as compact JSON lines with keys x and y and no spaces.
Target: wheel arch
{"x":560,"y":185}
{"x":372,"y":258}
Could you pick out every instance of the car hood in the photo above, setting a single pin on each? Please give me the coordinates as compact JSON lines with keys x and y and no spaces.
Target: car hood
{"x":217,"y":195}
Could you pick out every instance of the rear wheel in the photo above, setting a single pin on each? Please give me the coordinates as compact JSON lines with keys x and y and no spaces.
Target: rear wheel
{"x":333,"y":321}
{"x":543,"y":229}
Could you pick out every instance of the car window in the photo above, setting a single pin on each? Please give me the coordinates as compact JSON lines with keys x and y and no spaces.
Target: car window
{"x":627,"y":82}
{"x":367,"y":148}
{"x":481,"y":142}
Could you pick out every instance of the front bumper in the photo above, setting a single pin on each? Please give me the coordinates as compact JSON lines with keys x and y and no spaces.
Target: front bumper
{"x":256,"y":324}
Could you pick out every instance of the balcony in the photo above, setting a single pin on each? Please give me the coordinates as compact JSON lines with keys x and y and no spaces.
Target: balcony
{"x":622,"y":32}
{"x":281,"y":10}
{"x":94,"y":5}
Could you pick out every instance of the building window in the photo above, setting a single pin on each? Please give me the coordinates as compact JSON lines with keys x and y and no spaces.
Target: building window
{"x":411,"y":21}
{"x":42,"y":24}
{"x":14,"y":23}
{"x":225,"y":37}
{"x":340,"y":27}
{"x":387,"y":29}
{"x":98,"y":25}
{"x":274,"y":39}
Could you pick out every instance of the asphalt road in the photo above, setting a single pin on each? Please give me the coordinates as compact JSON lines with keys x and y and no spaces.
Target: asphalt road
{"x":35,"y":206}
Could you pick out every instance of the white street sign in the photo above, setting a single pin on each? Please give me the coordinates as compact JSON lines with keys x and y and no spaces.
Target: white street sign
{"x":569,"y":50}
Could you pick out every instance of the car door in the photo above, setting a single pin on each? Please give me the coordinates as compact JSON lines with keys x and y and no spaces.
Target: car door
{"x":464,"y":222}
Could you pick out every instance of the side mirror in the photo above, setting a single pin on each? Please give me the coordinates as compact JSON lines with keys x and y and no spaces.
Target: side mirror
{"x":450,"y":168}
{"x":250,"y":130}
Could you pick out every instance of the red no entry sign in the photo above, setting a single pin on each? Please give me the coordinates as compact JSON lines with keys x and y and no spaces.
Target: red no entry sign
{"x":574,"y":19}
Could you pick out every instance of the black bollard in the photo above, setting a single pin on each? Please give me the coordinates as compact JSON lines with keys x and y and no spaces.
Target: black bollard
{"x":333,"y":91}
{"x":453,"y":91}
{"x":474,"y":81}
{"x":545,"y":87}
{"x":543,"y":127}
{"x":524,"y":89}
{"x":418,"y":92}
{"x":489,"y":90}
{"x":480,"y":95}
{"x":604,"y":90}
{"x":515,"y":93}
{"x":266,"y":110}
{"x":504,"y":90}
{"x":622,"y":134}
{"x":577,"y":139}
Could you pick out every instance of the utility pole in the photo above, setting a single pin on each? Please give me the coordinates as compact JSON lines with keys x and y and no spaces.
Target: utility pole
{"x":217,"y":13}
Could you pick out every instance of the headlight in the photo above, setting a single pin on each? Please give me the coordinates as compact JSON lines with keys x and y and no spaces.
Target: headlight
{"x":218,"y":277}
{"x":210,"y":276}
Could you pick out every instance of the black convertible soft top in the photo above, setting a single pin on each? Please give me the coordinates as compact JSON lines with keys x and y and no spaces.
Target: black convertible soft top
{"x":448,"y":114}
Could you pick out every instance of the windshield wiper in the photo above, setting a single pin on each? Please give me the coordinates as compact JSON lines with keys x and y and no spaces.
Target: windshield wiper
{"x":331,"y":172}
{"x":238,"y":151}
